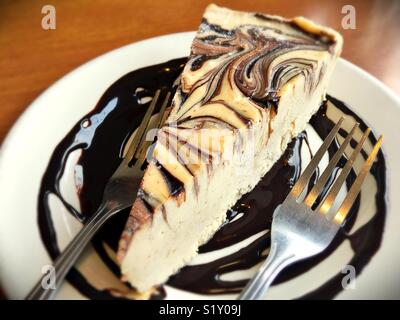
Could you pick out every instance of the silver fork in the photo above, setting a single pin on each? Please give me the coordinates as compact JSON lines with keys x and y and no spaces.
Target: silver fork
{"x":119,"y":194}
{"x":298,"y":231}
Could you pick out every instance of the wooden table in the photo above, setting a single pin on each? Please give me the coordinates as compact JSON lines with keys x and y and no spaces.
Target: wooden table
{"x":32,"y":58}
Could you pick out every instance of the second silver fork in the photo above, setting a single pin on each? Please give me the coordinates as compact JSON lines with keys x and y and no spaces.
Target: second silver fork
{"x":300,"y":231}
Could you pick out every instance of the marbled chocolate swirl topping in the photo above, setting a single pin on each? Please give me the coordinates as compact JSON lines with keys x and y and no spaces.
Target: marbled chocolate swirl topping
{"x":248,"y":53}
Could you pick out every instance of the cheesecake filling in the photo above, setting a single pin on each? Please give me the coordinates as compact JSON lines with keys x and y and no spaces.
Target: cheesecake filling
{"x":250,"y":85}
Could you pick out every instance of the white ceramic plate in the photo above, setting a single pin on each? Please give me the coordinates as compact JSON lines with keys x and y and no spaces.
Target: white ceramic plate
{"x":26,"y":151}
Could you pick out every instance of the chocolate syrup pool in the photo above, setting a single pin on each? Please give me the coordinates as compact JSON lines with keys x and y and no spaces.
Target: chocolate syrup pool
{"x":102,"y":134}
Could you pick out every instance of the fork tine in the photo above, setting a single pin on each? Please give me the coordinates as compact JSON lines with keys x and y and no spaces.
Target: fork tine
{"x":162,"y":116}
{"x":356,"y":187}
{"x":330,"y":198}
{"x":137,"y":140}
{"x":309,"y":170}
{"x":142,"y":151}
{"x":316,"y":190}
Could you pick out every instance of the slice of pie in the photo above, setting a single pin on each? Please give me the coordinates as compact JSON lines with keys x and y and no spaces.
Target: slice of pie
{"x":251,"y":84}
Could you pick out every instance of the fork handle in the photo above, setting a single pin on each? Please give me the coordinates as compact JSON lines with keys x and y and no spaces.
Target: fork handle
{"x":68,"y":257}
{"x":277,"y":260}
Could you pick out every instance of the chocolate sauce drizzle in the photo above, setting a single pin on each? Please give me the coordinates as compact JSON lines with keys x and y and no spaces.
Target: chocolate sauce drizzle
{"x":101,"y":135}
